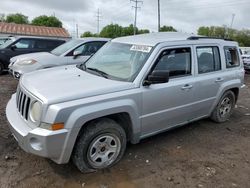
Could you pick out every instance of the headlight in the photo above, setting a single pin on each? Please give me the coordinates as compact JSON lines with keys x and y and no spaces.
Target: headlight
{"x":35,"y":112}
{"x":26,"y":62}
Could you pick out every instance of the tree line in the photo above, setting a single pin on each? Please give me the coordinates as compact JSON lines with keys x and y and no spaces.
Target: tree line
{"x":241,"y":36}
{"x":43,"y":20}
{"x":115,"y":30}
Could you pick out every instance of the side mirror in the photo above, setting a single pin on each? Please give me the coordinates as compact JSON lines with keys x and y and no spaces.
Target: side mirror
{"x":13,"y":47}
{"x":76,"y":54}
{"x":157,"y":77}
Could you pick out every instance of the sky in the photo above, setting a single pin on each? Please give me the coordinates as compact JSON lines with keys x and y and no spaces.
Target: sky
{"x":184,"y":15}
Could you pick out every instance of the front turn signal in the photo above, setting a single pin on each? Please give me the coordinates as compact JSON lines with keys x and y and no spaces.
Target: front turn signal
{"x":52,"y":127}
{"x":57,"y":126}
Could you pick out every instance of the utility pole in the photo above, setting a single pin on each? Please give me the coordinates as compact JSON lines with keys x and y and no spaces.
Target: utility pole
{"x":159,"y":16}
{"x":136,"y":7}
{"x":98,"y":16}
{"x":231,"y":25}
{"x":76,"y":30}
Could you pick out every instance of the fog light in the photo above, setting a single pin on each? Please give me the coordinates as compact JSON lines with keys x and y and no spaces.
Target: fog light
{"x":36,"y":144}
{"x":17,"y":75}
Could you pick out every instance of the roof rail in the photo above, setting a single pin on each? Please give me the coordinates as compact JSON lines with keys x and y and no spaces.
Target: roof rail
{"x":204,"y":37}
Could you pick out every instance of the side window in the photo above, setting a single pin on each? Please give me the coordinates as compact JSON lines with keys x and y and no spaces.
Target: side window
{"x":25,"y":43}
{"x":41,"y":44}
{"x":208,"y":59}
{"x":46,"y":44}
{"x":177,"y":61}
{"x":232,"y":57}
{"x":90,"y":48}
{"x":51,"y":44}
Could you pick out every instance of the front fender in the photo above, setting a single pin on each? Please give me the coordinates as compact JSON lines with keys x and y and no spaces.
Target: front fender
{"x":80,"y":116}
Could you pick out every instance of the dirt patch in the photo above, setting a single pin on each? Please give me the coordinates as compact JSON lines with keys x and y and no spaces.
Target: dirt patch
{"x":200,"y":154}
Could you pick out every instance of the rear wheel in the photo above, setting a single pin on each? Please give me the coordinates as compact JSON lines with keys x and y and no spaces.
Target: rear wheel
{"x":101,"y":145}
{"x":224,"y":108}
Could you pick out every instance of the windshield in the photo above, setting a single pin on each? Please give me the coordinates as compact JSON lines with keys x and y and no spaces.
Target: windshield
{"x":3,"y":40}
{"x":119,"y":61}
{"x":7,"y":43}
{"x":65,"y":47}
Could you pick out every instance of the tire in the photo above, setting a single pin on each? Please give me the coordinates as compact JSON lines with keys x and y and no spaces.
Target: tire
{"x":101,"y":145}
{"x":224,"y":108}
{"x":1,"y":68}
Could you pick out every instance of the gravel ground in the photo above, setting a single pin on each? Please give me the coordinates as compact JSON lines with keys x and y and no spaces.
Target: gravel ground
{"x":200,"y":154}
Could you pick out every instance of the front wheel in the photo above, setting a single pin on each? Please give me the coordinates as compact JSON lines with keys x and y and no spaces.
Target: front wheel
{"x":101,"y":145}
{"x":224,"y":108}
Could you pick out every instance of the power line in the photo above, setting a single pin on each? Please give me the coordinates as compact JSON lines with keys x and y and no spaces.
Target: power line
{"x":98,"y":16}
{"x":214,"y":5}
{"x":201,"y":2}
{"x":136,"y":7}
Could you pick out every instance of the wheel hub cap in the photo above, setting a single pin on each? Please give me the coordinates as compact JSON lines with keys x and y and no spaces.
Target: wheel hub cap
{"x":104,"y":150}
{"x":225,"y":107}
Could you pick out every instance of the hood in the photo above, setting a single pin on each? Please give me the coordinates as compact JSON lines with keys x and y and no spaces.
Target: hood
{"x":39,"y":57}
{"x":67,"y":83}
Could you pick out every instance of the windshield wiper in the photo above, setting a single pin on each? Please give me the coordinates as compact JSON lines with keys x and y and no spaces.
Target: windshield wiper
{"x":82,"y":66}
{"x":103,"y":74}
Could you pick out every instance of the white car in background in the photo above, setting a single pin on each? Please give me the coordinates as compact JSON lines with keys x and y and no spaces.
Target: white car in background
{"x":246,"y":60}
{"x":75,"y":51}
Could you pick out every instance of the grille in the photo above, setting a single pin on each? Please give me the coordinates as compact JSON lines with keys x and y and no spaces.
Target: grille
{"x":23,"y":104}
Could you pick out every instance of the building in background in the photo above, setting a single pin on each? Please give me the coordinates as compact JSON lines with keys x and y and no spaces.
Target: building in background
{"x":12,"y":29}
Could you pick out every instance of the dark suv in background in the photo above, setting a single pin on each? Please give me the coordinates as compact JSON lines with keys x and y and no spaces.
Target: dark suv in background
{"x":24,"y":45}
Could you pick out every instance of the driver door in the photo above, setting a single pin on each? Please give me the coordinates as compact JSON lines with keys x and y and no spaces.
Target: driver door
{"x":21,"y":46}
{"x":169,"y":104}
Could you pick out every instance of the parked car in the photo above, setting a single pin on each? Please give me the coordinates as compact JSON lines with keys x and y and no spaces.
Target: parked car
{"x":246,"y":61}
{"x":24,"y":45}
{"x":73,"y":52}
{"x":5,"y":39}
{"x":132,"y":88}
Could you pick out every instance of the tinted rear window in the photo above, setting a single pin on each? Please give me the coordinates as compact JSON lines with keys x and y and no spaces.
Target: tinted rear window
{"x":48,"y":44}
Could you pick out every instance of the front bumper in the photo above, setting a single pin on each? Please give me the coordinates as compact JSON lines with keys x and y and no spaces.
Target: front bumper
{"x":38,"y":141}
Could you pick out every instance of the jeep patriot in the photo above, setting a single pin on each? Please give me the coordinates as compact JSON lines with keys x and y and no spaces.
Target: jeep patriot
{"x":133,"y":87}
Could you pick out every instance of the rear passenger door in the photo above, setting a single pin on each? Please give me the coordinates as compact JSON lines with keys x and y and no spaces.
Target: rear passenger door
{"x":209,"y":77}
{"x":168,"y":104}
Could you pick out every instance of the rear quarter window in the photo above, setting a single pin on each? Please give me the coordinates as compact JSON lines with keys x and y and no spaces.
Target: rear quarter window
{"x":232,"y":57}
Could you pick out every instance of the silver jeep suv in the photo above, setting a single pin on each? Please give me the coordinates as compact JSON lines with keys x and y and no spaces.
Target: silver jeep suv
{"x":132,"y":88}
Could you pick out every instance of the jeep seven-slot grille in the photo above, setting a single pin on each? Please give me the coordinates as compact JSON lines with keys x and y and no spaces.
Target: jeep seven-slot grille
{"x":23,"y":104}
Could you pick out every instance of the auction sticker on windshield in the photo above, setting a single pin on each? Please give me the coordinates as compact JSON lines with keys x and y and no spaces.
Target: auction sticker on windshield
{"x":141,"y":48}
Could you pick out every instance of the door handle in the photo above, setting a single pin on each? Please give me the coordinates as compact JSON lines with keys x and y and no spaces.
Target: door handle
{"x":186,"y":86}
{"x":219,"y":80}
